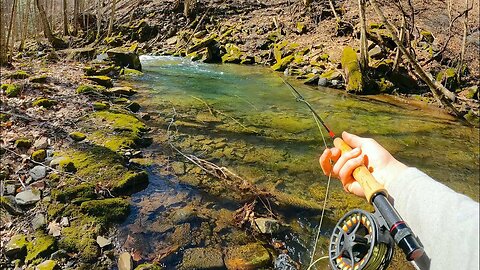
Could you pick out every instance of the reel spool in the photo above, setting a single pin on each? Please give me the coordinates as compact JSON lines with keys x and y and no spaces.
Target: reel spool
{"x":359,"y":242}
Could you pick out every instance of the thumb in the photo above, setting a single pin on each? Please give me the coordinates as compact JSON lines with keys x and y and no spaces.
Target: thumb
{"x":351,"y":139}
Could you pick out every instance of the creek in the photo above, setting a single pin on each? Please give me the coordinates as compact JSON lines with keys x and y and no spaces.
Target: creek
{"x":246,"y":119}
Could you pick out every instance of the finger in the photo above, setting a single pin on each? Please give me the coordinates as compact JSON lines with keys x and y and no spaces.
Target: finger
{"x":355,"y":188}
{"x":352,"y":140}
{"x":346,"y":171}
{"x":325,"y":161}
{"x":344,"y":158}
{"x":336,"y":153}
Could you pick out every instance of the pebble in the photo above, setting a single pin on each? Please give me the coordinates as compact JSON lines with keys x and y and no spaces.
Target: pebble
{"x":41,"y":143}
{"x":267,"y":225}
{"x":38,"y":172}
{"x":10,"y":189}
{"x":125,"y":261}
{"x":322,"y":82}
{"x":28,"y":197}
{"x":65,"y":222}
{"x":103,"y":242}
{"x":39,"y":221}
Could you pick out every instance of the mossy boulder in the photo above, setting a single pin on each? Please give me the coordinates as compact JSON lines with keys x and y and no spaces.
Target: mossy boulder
{"x":283,"y":63}
{"x":79,"y":237}
{"x":251,"y":256}
{"x":39,"y":155}
{"x":75,"y":194}
{"x":100,"y":106}
{"x":353,"y":73}
{"x":41,"y":247}
{"x":125,"y":57}
{"x":122,"y":91}
{"x":19,"y":74}
{"x":48,"y":265}
{"x":107,"y":210}
{"x":39,"y":79}
{"x":133,"y":107}
{"x":23,"y":143}
{"x":448,"y":77}
{"x":81,"y":54}
{"x":44,"y":102}
{"x":67,"y":165}
{"x":380,"y":36}
{"x":148,"y":266}
{"x":87,"y":88}
{"x":203,"y":43}
{"x":101,"y":80}
{"x":427,"y":36}
{"x":233,"y":54}
{"x":101,"y":71}
{"x":11,"y":90}
{"x":385,"y":86}
{"x":331,"y":74}
{"x":77,"y":136}
{"x":132,"y":182}
{"x":16,"y":247}
{"x":129,"y":72}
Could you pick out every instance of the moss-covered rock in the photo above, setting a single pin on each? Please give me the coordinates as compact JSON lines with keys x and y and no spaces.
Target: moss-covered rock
{"x":100,"y":106}
{"x":385,"y":86}
{"x":380,"y":36}
{"x":283,"y":63}
{"x":16,"y":247}
{"x":148,"y":266}
{"x":427,"y":36}
{"x":301,"y":28}
{"x":79,"y":237}
{"x":472,"y":92}
{"x":121,"y":90}
{"x":233,"y":54}
{"x":129,"y":72}
{"x":87,"y":88}
{"x":101,"y":80}
{"x":67,"y":165}
{"x":48,"y":265}
{"x":203,"y":43}
{"x":39,"y":79}
{"x":251,"y":256}
{"x":41,"y":247}
{"x":11,"y":90}
{"x":107,"y":210}
{"x":125,"y":57}
{"x":19,"y":74}
{"x":133,"y":107}
{"x":44,"y":102}
{"x":353,"y":73}
{"x":75,"y":194}
{"x":131,"y":183}
{"x":448,"y":77}
{"x":39,"y":155}
{"x":77,"y":136}
{"x":81,"y":54}
{"x":23,"y":143}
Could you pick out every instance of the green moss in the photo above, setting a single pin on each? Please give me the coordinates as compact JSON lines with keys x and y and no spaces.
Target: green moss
{"x":23,"y":143}
{"x":427,"y":36}
{"x":11,"y":90}
{"x":101,"y":80}
{"x":233,"y":54}
{"x":17,"y":246}
{"x":301,"y":28}
{"x":19,"y":74}
{"x":148,"y":266}
{"x":352,"y":71}
{"x":100,"y":106}
{"x":67,"y":165}
{"x":41,"y":247}
{"x":80,"y":237}
{"x":283,"y":63}
{"x":331,"y":75}
{"x":107,"y":210}
{"x":4,"y":117}
{"x":89,"y":251}
{"x":87,"y":88}
{"x":39,"y":155}
{"x":77,"y":136}
{"x":75,"y":194}
{"x":448,"y":77}
{"x":48,"y":265}
{"x":128,"y":72}
{"x":55,"y":209}
{"x":251,"y":256}
{"x":385,"y":86}
{"x":39,"y":79}
{"x":131,"y":183}
{"x":44,"y":102}
{"x":324,"y":57}
{"x":377,"y":26}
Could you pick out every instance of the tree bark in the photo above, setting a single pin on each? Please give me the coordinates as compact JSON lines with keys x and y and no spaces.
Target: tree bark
{"x":26,"y":15}
{"x":112,"y":18}
{"x":99,"y":20}
{"x":10,"y":25}
{"x":464,"y":42}
{"x":398,"y":55}
{"x":75,"y":17}
{"x":363,"y":36}
{"x":441,"y":94}
{"x":65,"y":18}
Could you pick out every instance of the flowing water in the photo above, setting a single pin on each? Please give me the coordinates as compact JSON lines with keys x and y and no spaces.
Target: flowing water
{"x":246,"y":119}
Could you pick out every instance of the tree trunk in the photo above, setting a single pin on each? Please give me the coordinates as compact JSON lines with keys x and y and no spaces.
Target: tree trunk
{"x":99,"y":20}
{"x":464,"y":42}
{"x":363,"y":36}
{"x":75,"y":17}
{"x":26,"y":15}
{"x":47,"y":31}
{"x":398,"y":55}
{"x":441,"y":94}
{"x":112,"y":18}
{"x":10,"y":25}
{"x":65,"y":18}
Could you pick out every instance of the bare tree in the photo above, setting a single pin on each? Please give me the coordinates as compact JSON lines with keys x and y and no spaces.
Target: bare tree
{"x":65,"y":18}
{"x":47,"y":31}
{"x":10,"y":25}
{"x":464,"y":41}
{"x":112,"y":18}
{"x":75,"y":16}
{"x":363,"y":36}
{"x":26,"y":16}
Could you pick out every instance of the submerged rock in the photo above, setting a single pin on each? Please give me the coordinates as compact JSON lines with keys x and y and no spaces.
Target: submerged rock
{"x":202,"y":258}
{"x":125,"y":261}
{"x":268,"y":225}
{"x":251,"y":256}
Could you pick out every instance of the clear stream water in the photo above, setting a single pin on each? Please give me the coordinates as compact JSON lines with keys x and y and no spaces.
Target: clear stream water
{"x":246,"y":119}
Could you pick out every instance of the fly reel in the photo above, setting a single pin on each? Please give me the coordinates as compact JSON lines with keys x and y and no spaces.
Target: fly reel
{"x":359,"y":241}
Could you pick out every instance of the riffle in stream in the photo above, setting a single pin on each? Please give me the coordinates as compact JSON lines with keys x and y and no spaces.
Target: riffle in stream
{"x":244,"y":118}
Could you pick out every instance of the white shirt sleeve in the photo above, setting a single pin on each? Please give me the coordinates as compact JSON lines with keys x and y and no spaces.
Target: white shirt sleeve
{"x":446,"y":222}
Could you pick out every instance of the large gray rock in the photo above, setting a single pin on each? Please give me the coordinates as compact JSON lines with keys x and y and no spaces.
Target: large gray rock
{"x":39,"y":221}
{"x":28,"y":197}
{"x":125,"y":261}
{"x":202,"y":258}
{"x":103,"y":242}
{"x":38,"y":172}
{"x":268,"y":225}
{"x":125,"y":57}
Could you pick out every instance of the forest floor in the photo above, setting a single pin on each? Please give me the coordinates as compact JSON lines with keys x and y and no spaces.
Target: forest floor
{"x":48,"y":103}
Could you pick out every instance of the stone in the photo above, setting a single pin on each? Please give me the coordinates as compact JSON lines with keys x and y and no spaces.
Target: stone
{"x":250,"y":256}
{"x":41,"y":247}
{"x":64,"y":222}
{"x":41,"y":143}
{"x":268,"y":225}
{"x":101,"y":80}
{"x":376,"y":52}
{"x":122,"y":90}
{"x":44,"y":102}
{"x":125,"y":261}
{"x":16,"y":247}
{"x":183,"y":215}
{"x":133,"y":107}
{"x":39,"y":79}
{"x":23,"y":143}
{"x":28,"y":197}
{"x":39,"y":155}
{"x":54,"y":229}
{"x":8,"y":203}
{"x":103,"y":242}
{"x":59,"y":254}
{"x":48,"y":265}
{"x":38,"y":172}
{"x":125,"y":57}
{"x":312,"y":79}
{"x":38,"y":221}
{"x":322,"y":82}
{"x":202,"y":258}
{"x":77,"y":136}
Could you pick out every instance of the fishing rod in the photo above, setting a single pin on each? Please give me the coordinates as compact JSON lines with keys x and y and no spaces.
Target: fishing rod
{"x":363,"y":240}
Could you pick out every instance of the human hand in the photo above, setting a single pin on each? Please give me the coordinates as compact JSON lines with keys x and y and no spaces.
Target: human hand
{"x":383,"y":166}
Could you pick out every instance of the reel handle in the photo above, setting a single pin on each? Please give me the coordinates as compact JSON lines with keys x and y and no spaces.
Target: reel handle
{"x":363,"y":176}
